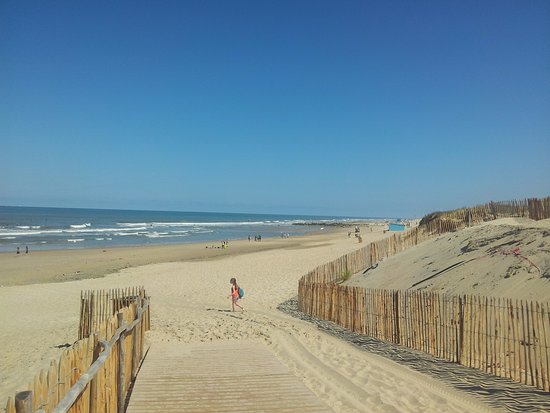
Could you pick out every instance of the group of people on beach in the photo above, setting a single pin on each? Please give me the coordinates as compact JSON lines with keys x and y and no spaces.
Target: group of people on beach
{"x":26,"y":250}
{"x":256,"y":237}
{"x":225,"y":245}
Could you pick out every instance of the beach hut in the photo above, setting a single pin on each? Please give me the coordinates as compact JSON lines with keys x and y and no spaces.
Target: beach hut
{"x":396,"y":226}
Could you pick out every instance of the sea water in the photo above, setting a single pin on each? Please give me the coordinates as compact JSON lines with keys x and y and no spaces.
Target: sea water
{"x":68,"y":228}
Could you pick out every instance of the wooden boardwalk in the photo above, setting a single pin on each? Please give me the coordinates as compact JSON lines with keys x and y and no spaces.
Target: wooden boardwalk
{"x":224,"y":376}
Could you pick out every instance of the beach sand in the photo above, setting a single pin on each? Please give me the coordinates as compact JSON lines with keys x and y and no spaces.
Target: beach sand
{"x":76,"y":264}
{"x":189,"y":285}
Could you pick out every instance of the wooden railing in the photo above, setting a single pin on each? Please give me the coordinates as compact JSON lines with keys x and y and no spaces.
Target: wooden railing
{"x":501,"y":336}
{"x":94,"y":375}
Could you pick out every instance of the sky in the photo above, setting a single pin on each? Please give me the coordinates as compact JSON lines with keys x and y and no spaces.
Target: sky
{"x":350,"y":108}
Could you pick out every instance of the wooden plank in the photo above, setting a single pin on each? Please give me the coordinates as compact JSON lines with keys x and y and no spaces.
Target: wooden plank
{"x":421,"y":324}
{"x":10,"y":406}
{"x":121,"y":377}
{"x":500,"y":334}
{"x":523,"y":347}
{"x":226,"y":376}
{"x":529,"y":345}
{"x":513,"y":349}
{"x":24,"y":402}
{"x":52,"y":386}
{"x":507,"y":333}
{"x":477,"y":337}
{"x":441,"y":344}
{"x":535,"y":336}
{"x":466,"y":334}
{"x":446,"y":326}
{"x":408,"y":316}
{"x":545,"y":319}
{"x":491,"y":335}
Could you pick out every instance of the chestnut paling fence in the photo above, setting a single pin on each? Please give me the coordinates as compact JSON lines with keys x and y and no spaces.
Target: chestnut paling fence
{"x":505,"y":337}
{"x":96,"y":307}
{"x":94,"y":375}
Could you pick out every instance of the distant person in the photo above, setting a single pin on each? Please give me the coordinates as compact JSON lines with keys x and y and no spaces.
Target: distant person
{"x":235,"y":294}
{"x":26,"y":249}
{"x":248,"y":238}
{"x":18,"y":250}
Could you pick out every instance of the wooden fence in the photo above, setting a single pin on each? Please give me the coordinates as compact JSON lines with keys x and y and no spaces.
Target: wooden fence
{"x":94,"y":375}
{"x":504,"y":337}
{"x":96,"y":307}
{"x":367,"y":256}
{"x":533,"y":208}
{"x":501,"y":336}
{"x":539,"y":208}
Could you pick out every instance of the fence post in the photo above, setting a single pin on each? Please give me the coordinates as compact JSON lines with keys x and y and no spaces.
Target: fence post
{"x":397,"y":328}
{"x":93,"y":383}
{"x":460,"y":338}
{"x":121,"y":379}
{"x":135,"y":339}
{"x":23,"y":402}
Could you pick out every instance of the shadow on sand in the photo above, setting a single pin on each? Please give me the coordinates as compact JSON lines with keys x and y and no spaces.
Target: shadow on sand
{"x":498,"y":392}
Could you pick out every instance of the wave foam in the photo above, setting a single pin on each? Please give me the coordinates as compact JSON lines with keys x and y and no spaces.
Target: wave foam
{"x":132,"y":224}
{"x":102,"y":230}
{"x":79,"y":226}
{"x":204,"y":224}
{"x":165,"y":235}
{"x":20,"y":233}
{"x":125,"y":234}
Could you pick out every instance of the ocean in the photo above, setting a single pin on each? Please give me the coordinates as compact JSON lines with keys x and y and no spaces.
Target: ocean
{"x":71,"y":228}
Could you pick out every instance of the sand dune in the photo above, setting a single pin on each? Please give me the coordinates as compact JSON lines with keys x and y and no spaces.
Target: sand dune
{"x":508,"y":257}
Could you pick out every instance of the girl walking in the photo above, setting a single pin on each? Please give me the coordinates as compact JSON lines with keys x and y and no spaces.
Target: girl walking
{"x":235,"y":294}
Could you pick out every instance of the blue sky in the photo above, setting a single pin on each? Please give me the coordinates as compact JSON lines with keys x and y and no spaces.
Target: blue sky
{"x":340,"y":108}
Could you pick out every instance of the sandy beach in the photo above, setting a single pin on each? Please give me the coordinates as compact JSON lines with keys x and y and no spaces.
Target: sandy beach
{"x":76,"y":264}
{"x":189,"y":285}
